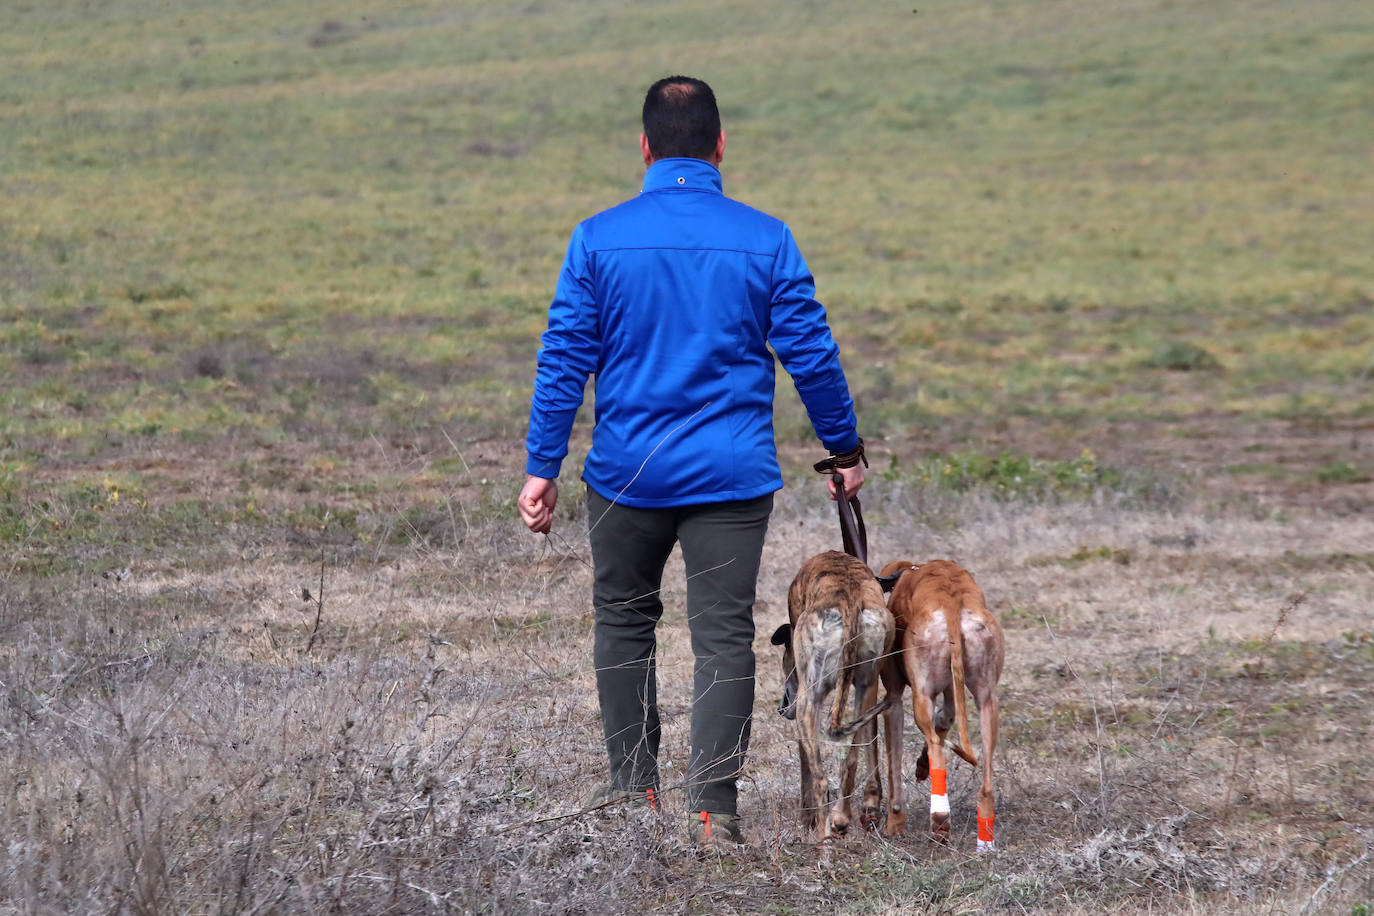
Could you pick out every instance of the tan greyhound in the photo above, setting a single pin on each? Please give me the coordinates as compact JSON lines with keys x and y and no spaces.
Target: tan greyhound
{"x":948,"y":640}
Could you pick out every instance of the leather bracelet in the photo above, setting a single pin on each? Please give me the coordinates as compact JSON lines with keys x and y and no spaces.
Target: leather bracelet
{"x":838,"y":461}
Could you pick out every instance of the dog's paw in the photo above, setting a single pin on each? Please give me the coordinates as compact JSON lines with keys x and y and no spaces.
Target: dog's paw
{"x":871,"y":819}
{"x":896,"y":823}
{"x":939,"y":828}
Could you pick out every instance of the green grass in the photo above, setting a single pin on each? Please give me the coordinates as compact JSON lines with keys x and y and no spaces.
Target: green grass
{"x":1343,"y":472}
{"x":1009,"y":476}
{"x":252,"y":228}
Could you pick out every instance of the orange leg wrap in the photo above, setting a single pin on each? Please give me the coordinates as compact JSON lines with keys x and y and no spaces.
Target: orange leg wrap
{"x":985,"y":841}
{"x":939,"y":798}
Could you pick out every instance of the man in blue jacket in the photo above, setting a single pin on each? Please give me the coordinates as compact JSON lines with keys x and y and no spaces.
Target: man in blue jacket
{"x":671,"y":300}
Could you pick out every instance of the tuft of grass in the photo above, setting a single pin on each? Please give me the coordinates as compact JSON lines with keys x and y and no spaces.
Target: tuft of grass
{"x":1181,"y":356}
{"x":1343,"y":472}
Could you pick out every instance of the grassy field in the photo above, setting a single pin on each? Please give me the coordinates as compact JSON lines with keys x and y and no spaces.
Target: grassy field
{"x":271,"y":281}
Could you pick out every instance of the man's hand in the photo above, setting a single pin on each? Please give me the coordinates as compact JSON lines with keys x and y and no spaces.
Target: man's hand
{"x":853,"y":479}
{"x":536,"y":501}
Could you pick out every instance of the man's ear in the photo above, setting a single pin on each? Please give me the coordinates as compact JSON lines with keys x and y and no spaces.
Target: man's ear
{"x":782,"y":635}
{"x":720,"y":147}
{"x":644,"y":149}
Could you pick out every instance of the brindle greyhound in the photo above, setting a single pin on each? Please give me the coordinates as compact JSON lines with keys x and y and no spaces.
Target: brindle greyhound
{"x":947,"y":639}
{"x":838,"y":638}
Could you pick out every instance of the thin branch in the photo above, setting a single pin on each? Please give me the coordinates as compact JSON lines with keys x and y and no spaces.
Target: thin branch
{"x":319,"y":608}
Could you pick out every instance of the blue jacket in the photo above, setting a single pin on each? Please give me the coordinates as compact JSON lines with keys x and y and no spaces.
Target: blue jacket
{"x":671,"y":299}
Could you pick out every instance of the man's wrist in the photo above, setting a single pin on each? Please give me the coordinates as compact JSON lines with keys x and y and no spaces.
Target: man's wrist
{"x":850,"y":457}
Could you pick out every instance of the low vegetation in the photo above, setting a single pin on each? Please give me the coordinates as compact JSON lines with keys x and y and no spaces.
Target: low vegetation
{"x":413,"y":727}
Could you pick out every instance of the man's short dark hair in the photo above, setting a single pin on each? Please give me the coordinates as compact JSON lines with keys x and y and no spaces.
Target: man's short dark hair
{"x":681,"y":118}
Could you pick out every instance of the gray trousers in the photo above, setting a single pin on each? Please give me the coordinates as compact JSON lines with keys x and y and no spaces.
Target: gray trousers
{"x":722,"y":544}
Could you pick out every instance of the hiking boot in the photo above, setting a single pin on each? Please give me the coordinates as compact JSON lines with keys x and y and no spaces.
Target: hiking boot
{"x":709,"y":830}
{"x":609,"y":796}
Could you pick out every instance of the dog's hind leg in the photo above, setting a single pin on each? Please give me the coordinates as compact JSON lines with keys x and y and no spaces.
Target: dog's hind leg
{"x":942,"y":714}
{"x":939,"y":793}
{"x":896,"y":799}
{"x":808,"y":812}
{"x":871,"y":814}
{"x":842,"y":812}
{"x":987,"y":724}
{"x":815,"y":785}
{"x":892,"y":733}
{"x":862,"y":744}
{"x":811,"y":696}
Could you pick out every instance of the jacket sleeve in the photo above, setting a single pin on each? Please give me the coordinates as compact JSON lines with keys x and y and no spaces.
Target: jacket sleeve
{"x":801,"y":338}
{"x":570,"y":349}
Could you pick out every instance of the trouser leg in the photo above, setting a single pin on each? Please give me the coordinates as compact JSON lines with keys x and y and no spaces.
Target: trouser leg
{"x":629,"y":549}
{"x":722,"y":544}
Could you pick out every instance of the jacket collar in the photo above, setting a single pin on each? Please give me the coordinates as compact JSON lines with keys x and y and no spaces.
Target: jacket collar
{"x":696,"y":174}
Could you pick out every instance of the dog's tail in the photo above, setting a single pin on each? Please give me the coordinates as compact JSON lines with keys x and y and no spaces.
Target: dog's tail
{"x":845,"y":729}
{"x":953,"y":620}
{"x":850,"y":661}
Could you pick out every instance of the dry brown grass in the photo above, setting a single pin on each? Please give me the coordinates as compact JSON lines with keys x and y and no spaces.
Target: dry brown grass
{"x":1170,"y":746}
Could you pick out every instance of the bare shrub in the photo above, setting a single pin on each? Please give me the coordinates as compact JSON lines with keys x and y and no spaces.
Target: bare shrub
{"x":1150,"y":857}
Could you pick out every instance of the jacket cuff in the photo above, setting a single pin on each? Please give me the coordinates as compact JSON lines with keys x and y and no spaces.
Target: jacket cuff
{"x":539,"y":466}
{"x":846,"y":443}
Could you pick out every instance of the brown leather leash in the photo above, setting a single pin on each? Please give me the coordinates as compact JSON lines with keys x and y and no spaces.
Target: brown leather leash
{"x":852,"y":530}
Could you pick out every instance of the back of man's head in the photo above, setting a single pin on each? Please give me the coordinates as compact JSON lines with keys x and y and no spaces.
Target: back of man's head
{"x":681,"y":118}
